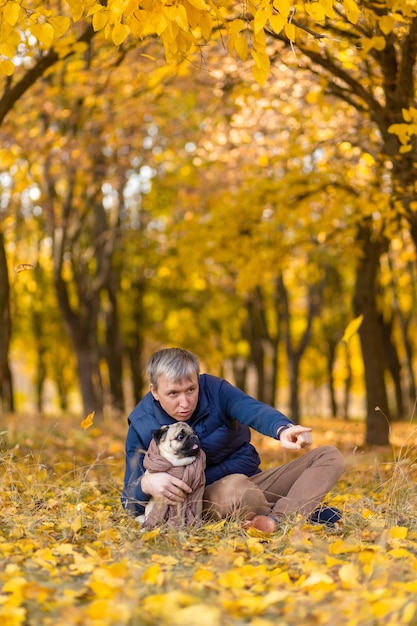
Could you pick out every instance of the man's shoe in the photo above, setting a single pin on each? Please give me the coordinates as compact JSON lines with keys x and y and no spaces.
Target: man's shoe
{"x":264,"y":523}
{"x":327,"y":515}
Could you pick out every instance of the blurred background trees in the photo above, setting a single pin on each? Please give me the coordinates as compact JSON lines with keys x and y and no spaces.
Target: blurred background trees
{"x":247,"y":200}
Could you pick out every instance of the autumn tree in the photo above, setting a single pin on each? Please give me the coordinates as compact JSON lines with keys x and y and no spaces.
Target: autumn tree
{"x":327,"y":35}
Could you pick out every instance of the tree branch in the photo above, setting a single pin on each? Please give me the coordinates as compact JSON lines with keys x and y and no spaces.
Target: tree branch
{"x":11,"y":94}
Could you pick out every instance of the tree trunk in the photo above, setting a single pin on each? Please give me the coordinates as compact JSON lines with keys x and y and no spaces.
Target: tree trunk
{"x":331,"y":355}
{"x":82,"y":329}
{"x":393,"y":364}
{"x":135,"y":340}
{"x":114,"y":350}
{"x":264,"y":345}
{"x":295,"y":352}
{"x":6,"y":387}
{"x":377,"y":414}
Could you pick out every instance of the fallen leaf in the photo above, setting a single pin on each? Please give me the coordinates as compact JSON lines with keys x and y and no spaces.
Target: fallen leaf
{"x":88,"y":421}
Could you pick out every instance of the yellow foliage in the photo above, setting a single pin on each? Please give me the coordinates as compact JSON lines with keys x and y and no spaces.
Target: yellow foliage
{"x":107,"y":575}
{"x":11,"y":12}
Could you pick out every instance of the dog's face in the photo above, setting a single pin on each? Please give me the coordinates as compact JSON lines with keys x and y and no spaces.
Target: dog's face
{"x":177,"y":443}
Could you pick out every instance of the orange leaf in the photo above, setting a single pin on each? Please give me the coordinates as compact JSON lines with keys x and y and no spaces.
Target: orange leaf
{"x":88,"y":421}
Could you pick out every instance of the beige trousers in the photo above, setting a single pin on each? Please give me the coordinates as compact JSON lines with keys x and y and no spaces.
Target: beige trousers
{"x":296,"y":487}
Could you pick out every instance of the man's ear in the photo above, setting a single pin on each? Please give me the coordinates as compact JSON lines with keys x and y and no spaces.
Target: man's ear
{"x":154,"y":392}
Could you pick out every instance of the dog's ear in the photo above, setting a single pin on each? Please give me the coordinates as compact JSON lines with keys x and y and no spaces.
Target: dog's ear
{"x":159,"y":435}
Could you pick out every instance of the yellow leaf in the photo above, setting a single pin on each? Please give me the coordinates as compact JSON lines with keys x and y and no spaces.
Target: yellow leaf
{"x":236,"y":26}
{"x":153,"y":575}
{"x":406,"y":115}
{"x":352,"y":10}
{"x":381,"y":608}
{"x":165,"y":560}
{"x":201,"y":614}
{"x":328,"y":8}
{"x":316,"y":11}
{"x":6,"y":67}
{"x":203,"y":576}
{"x":317,"y":579}
{"x":8,"y":50}
{"x":151,"y":534}
{"x":206,"y":24}
{"x":60,"y":25}
{"x":76,"y":524}
{"x":277,"y":22}
{"x":216,"y":526}
{"x":120,"y":33}
{"x":378,"y":43}
{"x":254,"y":545}
{"x":289,"y":30}
{"x":283,"y":7}
{"x":340,"y":547}
{"x":408,"y":613}
{"x":99,"y":20}
{"x":107,"y":611}
{"x":11,"y":13}
{"x":77,"y":9}
{"x":94,"y":9}
{"x":241,"y":47}
{"x":398,"y":532}
{"x":178,"y":15}
{"x":351,"y":328}
{"x":386,"y":24}
{"x":261,"y":70}
{"x":349,"y":575}
{"x":232,"y":580}
{"x":399,"y":553}
{"x":45,"y":34}
{"x":199,"y":4}
{"x":88,"y":421}
{"x":260,"y":20}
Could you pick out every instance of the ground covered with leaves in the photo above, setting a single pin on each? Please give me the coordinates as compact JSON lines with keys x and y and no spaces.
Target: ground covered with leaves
{"x":71,"y":556}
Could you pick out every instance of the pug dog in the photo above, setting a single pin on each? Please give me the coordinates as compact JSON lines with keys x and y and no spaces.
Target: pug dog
{"x":171,"y":450}
{"x":177,"y":443}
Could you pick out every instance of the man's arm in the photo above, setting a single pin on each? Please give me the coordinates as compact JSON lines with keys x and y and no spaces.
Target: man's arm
{"x":247,"y":410}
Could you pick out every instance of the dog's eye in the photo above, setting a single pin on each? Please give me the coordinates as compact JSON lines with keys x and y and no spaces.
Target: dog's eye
{"x":180,"y":436}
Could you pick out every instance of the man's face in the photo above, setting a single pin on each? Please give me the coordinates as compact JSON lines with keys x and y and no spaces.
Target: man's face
{"x":179,"y":400}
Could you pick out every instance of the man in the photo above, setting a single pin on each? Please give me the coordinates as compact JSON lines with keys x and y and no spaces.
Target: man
{"x":222,"y":415}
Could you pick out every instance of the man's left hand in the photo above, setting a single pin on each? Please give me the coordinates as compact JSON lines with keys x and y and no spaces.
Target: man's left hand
{"x":295,"y":437}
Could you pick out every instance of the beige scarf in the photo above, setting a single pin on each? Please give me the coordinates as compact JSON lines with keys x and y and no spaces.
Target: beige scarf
{"x":176,"y":514}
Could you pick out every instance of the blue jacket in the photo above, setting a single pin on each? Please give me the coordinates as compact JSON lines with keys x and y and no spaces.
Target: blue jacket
{"x":221,"y":420}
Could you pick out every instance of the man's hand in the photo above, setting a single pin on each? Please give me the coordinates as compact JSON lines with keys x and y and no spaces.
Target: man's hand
{"x":163,"y":485}
{"x":295,"y":437}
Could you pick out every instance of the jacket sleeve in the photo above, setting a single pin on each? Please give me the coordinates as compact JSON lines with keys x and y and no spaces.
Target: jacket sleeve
{"x":133,"y":498}
{"x":258,"y":415}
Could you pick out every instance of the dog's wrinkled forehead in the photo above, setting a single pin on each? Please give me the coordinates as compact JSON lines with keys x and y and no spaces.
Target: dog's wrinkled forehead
{"x":174,"y":432}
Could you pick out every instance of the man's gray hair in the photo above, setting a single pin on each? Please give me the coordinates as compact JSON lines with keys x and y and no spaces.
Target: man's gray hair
{"x":175,"y":364}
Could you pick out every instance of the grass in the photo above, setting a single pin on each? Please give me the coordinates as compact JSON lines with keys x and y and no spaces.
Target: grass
{"x":71,"y":556}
